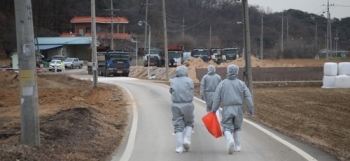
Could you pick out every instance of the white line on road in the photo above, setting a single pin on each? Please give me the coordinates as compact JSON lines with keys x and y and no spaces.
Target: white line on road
{"x":286,"y":143}
{"x":131,"y":140}
{"x":296,"y":149}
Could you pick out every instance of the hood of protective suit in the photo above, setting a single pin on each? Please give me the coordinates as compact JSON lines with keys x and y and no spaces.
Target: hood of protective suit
{"x":211,"y":69}
{"x":181,"y":71}
{"x":232,"y":71}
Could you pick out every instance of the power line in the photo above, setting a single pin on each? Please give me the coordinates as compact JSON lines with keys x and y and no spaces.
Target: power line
{"x":209,"y":16}
{"x":339,"y":5}
{"x":316,"y":8}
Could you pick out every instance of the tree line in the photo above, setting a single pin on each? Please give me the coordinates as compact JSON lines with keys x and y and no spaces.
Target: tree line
{"x":193,"y":23}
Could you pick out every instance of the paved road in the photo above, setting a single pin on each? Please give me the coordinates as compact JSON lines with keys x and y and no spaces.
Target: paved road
{"x":151,"y":139}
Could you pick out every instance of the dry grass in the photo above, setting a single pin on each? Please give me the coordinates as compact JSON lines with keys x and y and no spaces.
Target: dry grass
{"x":76,"y":122}
{"x":313,"y":115}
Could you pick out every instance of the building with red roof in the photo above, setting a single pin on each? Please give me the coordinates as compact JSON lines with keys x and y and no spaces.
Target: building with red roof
{"x":82,"y":27}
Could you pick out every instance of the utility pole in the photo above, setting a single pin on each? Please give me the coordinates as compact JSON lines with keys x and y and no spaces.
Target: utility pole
{"x":316,"y":35}
{"x":330,"y":36}
{"x":112,"y":24}
{"x":336,"y":42}
{"x":166,"y":42}
{"x":287,"y":31}
{"x":247,"y":44}
{"x":209,"y":37}
{"x":328,"y":31}
{"x":244,"y":44}
{"x":325,"y":41}
{"x":262,"y":36}
{"x":146,"y":27}
{"x":93,"y":45}
{"x":315,"y":31}
{"x":183,"y":28}
{"x":112,"y":32}
{"x":30,"y":129}
{"x":136,"y":48}
{"x":282,"y":37}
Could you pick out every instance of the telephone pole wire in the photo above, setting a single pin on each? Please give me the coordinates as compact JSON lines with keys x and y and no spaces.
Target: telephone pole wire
{"x":30,"y":129}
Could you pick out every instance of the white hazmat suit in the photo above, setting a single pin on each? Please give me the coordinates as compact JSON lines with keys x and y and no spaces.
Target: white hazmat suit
{"x":231,"y":93}
{"x":208,"y":85}
{"x":181,"y":89}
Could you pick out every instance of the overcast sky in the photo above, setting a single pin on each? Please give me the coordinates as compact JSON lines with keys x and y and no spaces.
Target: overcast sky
{"x":310,"y":6}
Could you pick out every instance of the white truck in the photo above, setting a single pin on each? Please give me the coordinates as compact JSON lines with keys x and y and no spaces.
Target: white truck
{"x":153,"y":56}
{"x":73,"y":63}
{"x":175,"y":54}
{"x":231,"y":53}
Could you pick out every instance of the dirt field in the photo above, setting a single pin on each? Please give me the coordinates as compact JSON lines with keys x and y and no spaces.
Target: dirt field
{"x":307,"y":113}
{"x":76,"y":122}
{"x":193,"y":64}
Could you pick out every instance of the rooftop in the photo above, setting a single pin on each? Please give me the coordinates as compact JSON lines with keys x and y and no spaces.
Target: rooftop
{"x":102,"y":35}
{"x":87,"y":19}
{"x":64,"y":40}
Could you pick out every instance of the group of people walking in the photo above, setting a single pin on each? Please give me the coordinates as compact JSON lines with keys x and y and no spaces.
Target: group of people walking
{"x":230,"y":93}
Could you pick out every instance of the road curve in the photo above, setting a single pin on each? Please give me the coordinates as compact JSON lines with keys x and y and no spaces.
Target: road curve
{"x":150,"y":137}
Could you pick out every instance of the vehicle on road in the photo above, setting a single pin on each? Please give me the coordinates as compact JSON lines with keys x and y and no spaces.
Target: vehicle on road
{"x":113,"y":62}
{"x":175,"y":54}
{"x":73,"y":63}
{"x":55,"y":64}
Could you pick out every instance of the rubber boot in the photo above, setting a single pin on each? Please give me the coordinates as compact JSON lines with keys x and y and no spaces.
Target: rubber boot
{"x":230,"y":142}
{"x":237,"y":138}
{"x":187,"y":138}
{"x":179,"y":142}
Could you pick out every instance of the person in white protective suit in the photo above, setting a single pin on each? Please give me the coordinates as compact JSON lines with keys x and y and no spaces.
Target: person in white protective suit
{"x":231,"y":93}
{"x":181,"y":89}
{"x":208,"y":85}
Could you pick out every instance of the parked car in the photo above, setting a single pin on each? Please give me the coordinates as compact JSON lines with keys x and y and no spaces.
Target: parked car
{"x":57,"y":63}
{"x":73,"y":62}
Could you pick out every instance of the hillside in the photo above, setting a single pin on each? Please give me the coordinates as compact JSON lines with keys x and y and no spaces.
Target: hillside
{"x":51,"y":18}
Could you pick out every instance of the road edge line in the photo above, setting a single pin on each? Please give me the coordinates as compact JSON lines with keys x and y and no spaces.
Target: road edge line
{"x":286,"y":143}
{"x":132,"y":136}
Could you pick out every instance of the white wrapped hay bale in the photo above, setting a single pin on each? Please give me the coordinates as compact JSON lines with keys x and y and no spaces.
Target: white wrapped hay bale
{"x":344,"y":68}
{"x":342,"y":81}
{"x":329,"y":81}
{"x":330,"y":69}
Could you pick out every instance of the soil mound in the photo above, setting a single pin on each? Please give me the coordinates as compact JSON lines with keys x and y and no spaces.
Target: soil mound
{"x":76,"y":121}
